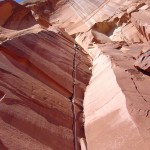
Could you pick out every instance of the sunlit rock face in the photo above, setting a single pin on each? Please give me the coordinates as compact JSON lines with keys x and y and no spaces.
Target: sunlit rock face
{"x":94,"y":52}
{"x":116,"y":103}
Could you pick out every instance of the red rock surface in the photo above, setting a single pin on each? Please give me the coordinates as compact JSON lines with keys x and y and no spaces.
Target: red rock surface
{"x":36,"y":87}
{"x":41,"y":72}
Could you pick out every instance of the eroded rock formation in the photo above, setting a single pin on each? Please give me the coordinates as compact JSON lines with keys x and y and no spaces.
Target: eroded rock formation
{"x":74,"y":75}
{"x":14,"y":16}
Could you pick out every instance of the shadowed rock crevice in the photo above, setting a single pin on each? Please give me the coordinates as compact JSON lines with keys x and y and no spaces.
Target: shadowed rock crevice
{"x":78,"y":123}
{"x":73,"y":99}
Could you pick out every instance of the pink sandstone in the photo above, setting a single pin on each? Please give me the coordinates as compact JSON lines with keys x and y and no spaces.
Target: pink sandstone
{"x":83,"y":63}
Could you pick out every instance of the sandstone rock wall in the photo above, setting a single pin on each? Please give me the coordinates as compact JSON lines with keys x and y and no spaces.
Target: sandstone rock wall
{"x":44,"y":74}
{"x":116,"y":103}
{"x":36,"y":87}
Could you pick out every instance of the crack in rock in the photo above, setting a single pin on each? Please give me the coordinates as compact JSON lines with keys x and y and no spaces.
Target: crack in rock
{"x":74,"y":97}
{"x":138,"y":90}
{"x":147,"y":113}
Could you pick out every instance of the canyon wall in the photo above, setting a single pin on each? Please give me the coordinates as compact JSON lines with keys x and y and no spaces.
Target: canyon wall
{"x":74,"y":75}
{"x":36,"y":86}
{"x":116,"y":103}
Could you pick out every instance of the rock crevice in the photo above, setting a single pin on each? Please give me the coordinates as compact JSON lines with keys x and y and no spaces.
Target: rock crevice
{"x":73,"y":99}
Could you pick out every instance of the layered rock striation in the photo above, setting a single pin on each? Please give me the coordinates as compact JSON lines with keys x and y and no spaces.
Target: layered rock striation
{"x":36,"y":89}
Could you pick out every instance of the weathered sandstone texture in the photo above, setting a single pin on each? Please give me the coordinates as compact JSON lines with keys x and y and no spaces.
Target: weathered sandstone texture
{"x":36,"y":87}
{"x":74,"y":74}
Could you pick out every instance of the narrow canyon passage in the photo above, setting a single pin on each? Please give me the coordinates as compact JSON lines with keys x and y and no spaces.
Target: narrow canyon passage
{"x":74,"y":75}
